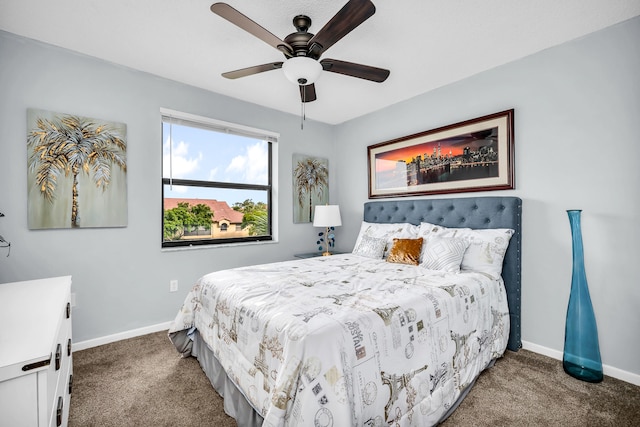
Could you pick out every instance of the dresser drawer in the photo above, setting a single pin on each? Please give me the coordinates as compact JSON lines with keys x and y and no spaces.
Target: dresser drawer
{"x":58,"y":373}
{"x":62,"y":400}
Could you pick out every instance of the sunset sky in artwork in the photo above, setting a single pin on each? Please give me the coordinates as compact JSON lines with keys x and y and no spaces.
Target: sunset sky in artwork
{"x":454,"y":145}
{"x":409,"y":153}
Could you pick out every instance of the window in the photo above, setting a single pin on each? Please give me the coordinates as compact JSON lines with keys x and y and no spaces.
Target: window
{"x":217,"y":181}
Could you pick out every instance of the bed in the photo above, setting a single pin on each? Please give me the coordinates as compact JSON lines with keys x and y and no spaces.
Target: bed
{"x":354,"y":339}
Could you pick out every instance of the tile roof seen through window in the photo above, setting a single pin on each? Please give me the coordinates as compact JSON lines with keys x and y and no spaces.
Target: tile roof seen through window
{"x":221,"y":210}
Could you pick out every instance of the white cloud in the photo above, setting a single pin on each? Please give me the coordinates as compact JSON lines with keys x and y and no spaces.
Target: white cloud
{"x":212,"y":174}
{"x":176,"y":162}
{"x":252,"y":166}
{"x":237,"y":164}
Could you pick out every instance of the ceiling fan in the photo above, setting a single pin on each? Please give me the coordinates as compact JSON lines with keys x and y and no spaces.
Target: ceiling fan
{"x":302,"y":49}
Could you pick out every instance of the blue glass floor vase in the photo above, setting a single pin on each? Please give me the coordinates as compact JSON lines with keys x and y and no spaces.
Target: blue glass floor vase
{"x":581,"y":358}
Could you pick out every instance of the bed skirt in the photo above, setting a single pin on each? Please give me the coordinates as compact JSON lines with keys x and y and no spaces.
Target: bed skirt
{"x":235,"y":403}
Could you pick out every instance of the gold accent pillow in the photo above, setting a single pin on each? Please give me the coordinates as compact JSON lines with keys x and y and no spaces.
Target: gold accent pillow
{"x":405,"y":251}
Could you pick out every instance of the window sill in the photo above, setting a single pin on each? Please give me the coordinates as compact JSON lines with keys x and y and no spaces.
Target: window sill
{"x":222,"y":245}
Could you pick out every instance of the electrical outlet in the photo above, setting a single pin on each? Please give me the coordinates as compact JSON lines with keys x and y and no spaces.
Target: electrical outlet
{"x":173,"y":286}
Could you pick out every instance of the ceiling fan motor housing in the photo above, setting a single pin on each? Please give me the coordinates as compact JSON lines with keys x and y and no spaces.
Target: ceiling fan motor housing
{"x":303,"y":67}
{"x":299,"y":40}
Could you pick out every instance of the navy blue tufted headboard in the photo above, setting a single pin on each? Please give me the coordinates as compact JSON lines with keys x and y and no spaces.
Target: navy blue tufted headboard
{"x":471,"y":212}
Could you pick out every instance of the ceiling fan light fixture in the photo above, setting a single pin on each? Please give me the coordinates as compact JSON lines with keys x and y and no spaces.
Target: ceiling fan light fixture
{"x":302,"y":70}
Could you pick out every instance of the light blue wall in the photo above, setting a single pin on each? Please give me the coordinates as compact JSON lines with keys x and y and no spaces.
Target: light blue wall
{"x":576,"y":137}
{"x":577,"y":146}
{"x":120,"y":275}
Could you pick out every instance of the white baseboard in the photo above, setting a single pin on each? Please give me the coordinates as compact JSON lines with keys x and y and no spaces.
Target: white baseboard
{"x":83,"y":345}
{"x":554,"y":354}
{"x":606,"y":369}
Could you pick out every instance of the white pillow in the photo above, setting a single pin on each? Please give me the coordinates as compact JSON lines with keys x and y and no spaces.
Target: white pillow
{"x":425,"y":230}
{"x":370,"y":247}
{"x":387,"y":232}
{"x":486,"y":250}
{"x":443,"y":254}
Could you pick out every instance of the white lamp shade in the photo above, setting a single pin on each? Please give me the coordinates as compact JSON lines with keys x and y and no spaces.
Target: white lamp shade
{"x":302,"y":70}
{"x":327,"y":216}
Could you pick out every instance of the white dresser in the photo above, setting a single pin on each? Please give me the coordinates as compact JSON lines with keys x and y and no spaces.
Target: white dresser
{"x":35,"y":352}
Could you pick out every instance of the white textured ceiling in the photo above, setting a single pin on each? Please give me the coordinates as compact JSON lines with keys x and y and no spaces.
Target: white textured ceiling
{"x":425,"y":43}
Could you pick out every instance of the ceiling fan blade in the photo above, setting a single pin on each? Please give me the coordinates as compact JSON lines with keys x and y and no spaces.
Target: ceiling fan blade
{"x":308,"y":93}
{"x":242,"y":21}
{"x":366,"y":72}
{"x":354,"y":13}
{"x":244,"y":72}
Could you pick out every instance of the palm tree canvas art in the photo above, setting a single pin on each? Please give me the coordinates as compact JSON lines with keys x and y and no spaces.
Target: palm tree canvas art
{"x":77,"y":171}
{"x":310,"y":186}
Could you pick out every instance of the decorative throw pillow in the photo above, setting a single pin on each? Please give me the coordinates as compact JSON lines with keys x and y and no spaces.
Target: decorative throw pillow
{"x":371,"y":247}
{"x":487,"y":247}
{"x":444,"y":254}
{"x":405,"y":251}
{"x":425,"y":230}
{"x":386,"y":232}
{"x":486,"y":251}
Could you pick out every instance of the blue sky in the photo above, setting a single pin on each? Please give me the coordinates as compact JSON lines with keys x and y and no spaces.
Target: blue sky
{"x":193,"y":153}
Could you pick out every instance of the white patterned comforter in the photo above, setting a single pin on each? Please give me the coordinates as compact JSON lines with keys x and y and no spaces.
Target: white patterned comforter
{"x":349,"y":340}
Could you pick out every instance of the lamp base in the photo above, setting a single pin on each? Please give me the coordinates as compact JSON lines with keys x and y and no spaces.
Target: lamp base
{"x":326,"y":242}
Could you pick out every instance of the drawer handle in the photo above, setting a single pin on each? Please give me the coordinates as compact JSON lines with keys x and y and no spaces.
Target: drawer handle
{"x":68,"y":310}
{"x":59,"y":412}
{"x":58,"y":356}
{"x":69,"y":347}
{"x":36,"y":365}
{"x":70,"y":383}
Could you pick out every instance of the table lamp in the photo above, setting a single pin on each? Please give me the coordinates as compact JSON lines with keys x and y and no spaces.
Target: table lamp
{"x":327,"y":216}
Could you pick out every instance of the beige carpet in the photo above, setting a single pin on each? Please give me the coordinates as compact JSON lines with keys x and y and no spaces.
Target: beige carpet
{"x":144,"y":382}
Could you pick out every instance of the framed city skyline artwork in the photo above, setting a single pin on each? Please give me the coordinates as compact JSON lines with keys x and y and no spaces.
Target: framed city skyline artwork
{"x":473,"y":155}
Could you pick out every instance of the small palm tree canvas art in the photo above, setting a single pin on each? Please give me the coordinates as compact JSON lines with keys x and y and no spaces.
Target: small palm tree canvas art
{"x":77,"y":171}
{"x":310,"y":186}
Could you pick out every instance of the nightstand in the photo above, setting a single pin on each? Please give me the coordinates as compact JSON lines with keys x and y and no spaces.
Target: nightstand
{"x":315,"y":254}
